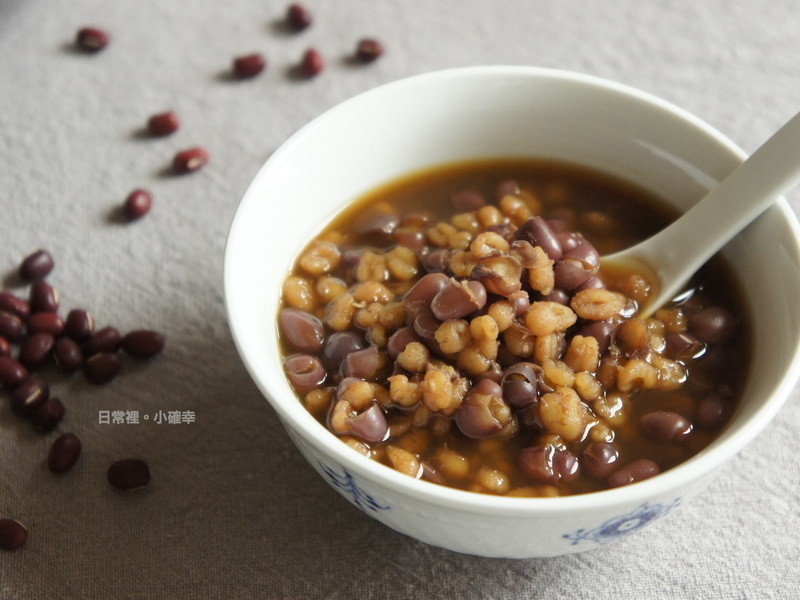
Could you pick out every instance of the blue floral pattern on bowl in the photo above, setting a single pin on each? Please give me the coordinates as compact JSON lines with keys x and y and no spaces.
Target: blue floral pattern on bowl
{"x":345,"y":482}
{"x":623,"y":525}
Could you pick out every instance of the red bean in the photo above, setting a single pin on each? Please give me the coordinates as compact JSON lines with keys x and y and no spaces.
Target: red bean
{"x":13,"y":534}
{"x":45,"y":322}
{"x":425,"y":325}
{"x":414,"y":240}
{"x":682,"y":346}
{"x":536,"y":231}
{"x":16,"y":306}
{"x":92,"y":39}
{"x":302,"y":330}
{"x":436,"y":261}
{"x":599,"y":459}
{"x":370,"y":425}
{"x":712,"y":412}
{"x":712,"y":324}
{"x":143,"y":343}
{"x":569,"y":274}
{"x":593,"y":283}
{"x":368,"y":49}
{"x":163,"y":124}
{"x":375,"y":222}
{"x":339,"y":345}
{"x":400,"y":339}
{"x":547,"y":464}
{"x":190,"y":160}
{"x":363,"y":364}
{"x":312,"y":63}
{"x":467,"y":201}
{"x":107,"y":339}
{"x":664,"y":426}
{"x":505,"y":230}
{"x":64,"y":453}
{"x":12,"y":372}
{"x":249,"y":65}
{"x":137,"y":204}
{"x":79,"y":325}
{"x":520,"y":384}
{"x":29,"y":395}
{"x":521,"y":302}
{"x":43,"y":297}
{"x":507,"y":188}
{"x":5,"y":347}
{"x":11,"y":327}
{"x":68,"y":355}
{"x":418,"y":299}
{"x":298,"y":17}
{"x":304,"y":372}
{"x":638,"y":470}
{"x":559,"y":296}
{"x":35,"y":351}
{"x":49,"y":414}
{"x":36,"y":265}
{"x":129,"y":474}
{"x":601,"y":331}
{"x":102,"y":367}
{"x":456,"y":300}
{"x":476,"y":418}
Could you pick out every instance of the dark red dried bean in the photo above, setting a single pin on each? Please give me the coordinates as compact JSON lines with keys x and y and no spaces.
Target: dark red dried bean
{"x":547,"y":464}
{"x":43,"y":297}
{"x":370,"y":425}
{"x":91,"y":39}
{"x":190,"y":160}
{"x":599,"y":459}
{"x":144,"y":343}
{"x":68,"y":355}
{"x":368,"y":50}
{"x":682,"y":346}
{"x":467,"y":201}
{"x":339,"y":345}
{"x":400,"y":339}
{"x":129,"y":474}
{"x":45,"y":322}
{"x":36,"y":265}
{"x":538,"y":233}
{"x":456,"y":300}
{"x":249,"y":65}
{"x":107,"y":339}
{"x":414,"y":240}
{"x":436,"y":261}
{"x":13,"y":534}
{"x":11,"y":327}
{"x":29,"y":395}
{"x":137,"y":204}
{"x":507,"y":188}
{"x":363,"y":364}
{"x":48,"y":415}
{"x":601,"y":331}
{"x":102,"y":367}
{"x":712,"y":324}
{"x":304,"y":372}
{"x":16,"y":306}
{"x":520,"y":384}
{"x":570,"y":274}
{"x":5,"y":347}
{"x":476,"y":416}
{"x":712,"y":412}
{"x":638,"y":470}
{"x":12,"y":372}
{"x":163,"y":124}
{"x":312,"y":63}
{"x":64,"y":453}
{"x":298,"y":17}
{"x":35,"y":351}
{"x":665,"y":426}
{"x":418,"y":299}
{"x":79,"y":325}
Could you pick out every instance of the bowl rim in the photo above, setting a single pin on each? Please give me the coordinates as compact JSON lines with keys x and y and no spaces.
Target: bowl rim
{"x":704,"y":464}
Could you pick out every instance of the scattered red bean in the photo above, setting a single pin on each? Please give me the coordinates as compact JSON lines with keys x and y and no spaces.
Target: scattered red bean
{"x":129,"y":474}
{"x":64,"y":453}
{"x":190,"y":160}
{"x":35,"y":351}
{"x":143,"y":343}
{"x":49,"y":414}
{"x":92,"y":39}
{"x":249,"y":65}
{"x":10,"y":327}
{"x":29,"y":395}
{"x":312,"y":63}
{"x":5,"y":347}
{"x":163,"y":124}
{"x":12,"y":372}
{"x":102,"y":367}
{"x":46,"y":322}
{"x":368,"y":49}
{"x":298,"y":17}
{"x":137,"y":204}
{"x":79,"y":325}
{"x":43,"y":297}
{"x":36,"y":266}
{"x":16,"y":306}
{"x":68,"y":355}
{"x":13,"y":534}
{"x":107,"y":339}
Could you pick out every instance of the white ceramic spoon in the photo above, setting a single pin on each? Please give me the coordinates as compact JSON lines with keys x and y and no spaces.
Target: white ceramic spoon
{"x":674,"y":254}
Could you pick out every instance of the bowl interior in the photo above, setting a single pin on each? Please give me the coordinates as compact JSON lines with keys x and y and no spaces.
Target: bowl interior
{"x":497,"y":112}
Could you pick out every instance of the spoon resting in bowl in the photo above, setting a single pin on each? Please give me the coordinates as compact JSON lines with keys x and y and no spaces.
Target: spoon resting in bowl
{"x":671,"y":257}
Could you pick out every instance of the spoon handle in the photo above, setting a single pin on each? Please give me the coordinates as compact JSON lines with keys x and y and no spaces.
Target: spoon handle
{"x":676,"y":252}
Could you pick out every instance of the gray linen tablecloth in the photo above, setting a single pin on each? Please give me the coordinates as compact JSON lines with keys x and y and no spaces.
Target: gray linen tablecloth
{"x":233,"y":511}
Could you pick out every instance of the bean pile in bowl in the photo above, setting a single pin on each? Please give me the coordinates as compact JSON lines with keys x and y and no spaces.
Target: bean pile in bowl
{"x":455,"y":325}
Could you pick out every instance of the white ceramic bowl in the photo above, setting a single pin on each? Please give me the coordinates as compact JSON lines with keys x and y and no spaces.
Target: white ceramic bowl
{"x":494,"y":112}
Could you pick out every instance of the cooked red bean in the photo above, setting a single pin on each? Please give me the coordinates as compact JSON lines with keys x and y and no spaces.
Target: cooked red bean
{"x":520,"y":384}
{"x":64,"y":453}
{"x":521,"y":302}
{"x":538,"y":233}
{"x":12,"y":372}
{"x":312,"y":63}
{"x":455,"y":300}
{"x":547,"y":464}
{"x":5,"y":347}
{"x":48,"y":415}
{"x":510,"y":187}
{"x":11,"y":327}
{"x":638,"y":470}
{"x":370,"y":425}
{"x":712,"y":412}
{"x":425,"y":325}
{"x":363,"y":364}
{"x":249,"y":65}
{"x":368,"y":49}
{"x":68,"y":355}
{"x":13,"y":534}
{"x":599,"y":459}
{"x":79,"y":325}
{"x":712,"y":324}
{"x":102,"y":367}
{"x":137,"y":204}
{"x":45,"y":322}
{"x":302,"y":330}
{"x":163,"y":124}
{"x":665,"y":426}
{"x":414,"y":240}
{"x":467,"y":201}
{"x":143,"y":343}
{"x":601,"y":331}
{"x":682,"y":346}
{"x":129,"y":474}
{"x":304,"y":371}
{"x":431,"y":474}
{"x":36,"y":265}
{"x":16,"y":306}
{"x":376,"y":222}
{"x":559,"y":296}
{"x":339,"y":345}
{"x":593,"y":283}
{"x":29,"y":395}
{"x":436,"y":261}
{"x":298,"y":17}
{"x":400,"y":339}
{"x":477,"y":418}
{"x":107,"y":339}
{"x":569,"y":274}
{"x":35,"y":351}
{"x":418,"y":299}
{"x":92,"y":39}
{"x":190,"y":160}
